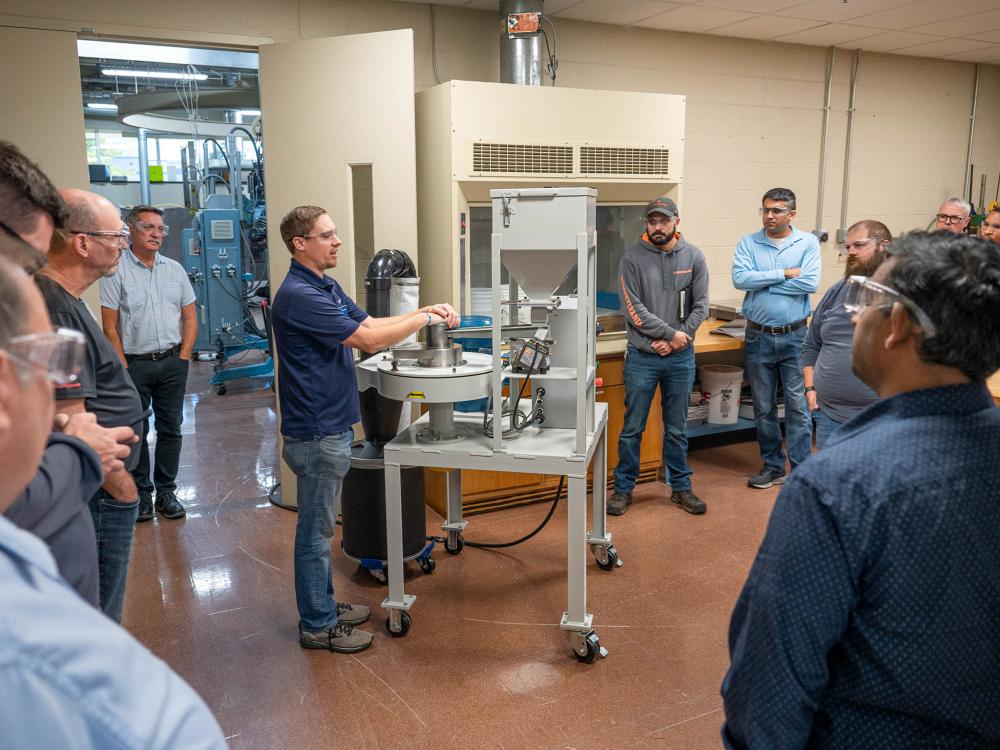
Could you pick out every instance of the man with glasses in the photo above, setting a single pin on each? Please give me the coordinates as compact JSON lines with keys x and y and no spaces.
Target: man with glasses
{"x":990,"y":230}
{"x":833,"y":392}
{"x":148,"y":314}
{"x":953,"y":216}
{"x":778,"y":268}
{"x":68,"y":676}
{"x":869,"y":617}
{"x":93,"y":240}
{"x":315,"y":327}
{"x":30,"y":206}
{"x":663,"y":281}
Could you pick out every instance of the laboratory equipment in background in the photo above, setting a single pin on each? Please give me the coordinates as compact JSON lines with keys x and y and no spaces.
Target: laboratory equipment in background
{"x":548,"y":423}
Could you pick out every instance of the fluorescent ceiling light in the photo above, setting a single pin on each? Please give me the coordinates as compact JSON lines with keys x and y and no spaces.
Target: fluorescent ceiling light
{"x":168,"y":74}
{"x":248,"y":112}
{"x":103,"y":106}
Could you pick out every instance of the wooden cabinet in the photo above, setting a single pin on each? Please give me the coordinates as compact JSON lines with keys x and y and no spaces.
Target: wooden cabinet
{"x":612,"y":393}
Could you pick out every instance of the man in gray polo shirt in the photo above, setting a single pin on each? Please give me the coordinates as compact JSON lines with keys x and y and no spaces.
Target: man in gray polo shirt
{"x":147,"y":311}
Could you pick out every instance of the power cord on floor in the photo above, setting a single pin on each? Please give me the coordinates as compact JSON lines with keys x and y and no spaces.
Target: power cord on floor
{"x":526,"y":537}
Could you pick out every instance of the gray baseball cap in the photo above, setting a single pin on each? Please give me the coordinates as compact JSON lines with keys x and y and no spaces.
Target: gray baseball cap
{"x":662,"y":205}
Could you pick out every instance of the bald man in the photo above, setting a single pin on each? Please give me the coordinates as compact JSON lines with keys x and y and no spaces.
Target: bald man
{"x":91,"y":247}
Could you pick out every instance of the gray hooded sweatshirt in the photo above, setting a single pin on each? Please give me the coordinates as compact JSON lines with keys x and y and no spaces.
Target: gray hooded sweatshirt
{"x":653,"y":285}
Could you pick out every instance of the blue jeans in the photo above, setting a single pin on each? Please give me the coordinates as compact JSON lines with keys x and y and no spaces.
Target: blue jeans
{"x":770,"y":359}
{"x":320,"y":466}
{"x":114,"y":525}
{"x":825,"y":425}
{"x":674,"y":374}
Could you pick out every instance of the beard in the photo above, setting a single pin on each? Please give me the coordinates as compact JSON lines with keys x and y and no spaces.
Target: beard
{"x":659,"y":238}
{"x":864,"y":267}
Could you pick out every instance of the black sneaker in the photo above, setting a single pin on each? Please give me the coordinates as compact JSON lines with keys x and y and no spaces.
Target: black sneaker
{"x":766,"y":478}
{"x":352,"y":614}
{"x":688,"y":501}
{"x":145,"y":507}
{"x":619,"y":503}
{"x":169,"y":506}
{"x":341,"y":638}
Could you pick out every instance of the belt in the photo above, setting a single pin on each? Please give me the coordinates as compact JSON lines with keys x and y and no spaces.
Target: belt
{"x":155,"y":356}
{"x":776,"y":330}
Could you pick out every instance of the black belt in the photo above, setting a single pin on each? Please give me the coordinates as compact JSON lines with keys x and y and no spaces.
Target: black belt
{"x":776,"y":330}
{"x":155,"y":356}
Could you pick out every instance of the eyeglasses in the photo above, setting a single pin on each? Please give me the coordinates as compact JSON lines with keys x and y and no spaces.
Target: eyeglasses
{"x":949,"y":219}
{"x":121,"y":237}
{"x":325,"y":236}
{"x":145,"y":226}
{"x":655,"y":222}
{"x":846,"y":247}
{"x":59,"y":352}
{"x":863,"y":293}
{"x":773,"y":211}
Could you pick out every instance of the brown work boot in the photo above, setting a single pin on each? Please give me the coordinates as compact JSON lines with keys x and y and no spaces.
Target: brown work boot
{"x":619,"y":502}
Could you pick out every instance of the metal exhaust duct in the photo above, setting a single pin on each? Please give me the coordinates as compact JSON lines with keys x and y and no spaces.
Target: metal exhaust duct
{"x":520,"y":55}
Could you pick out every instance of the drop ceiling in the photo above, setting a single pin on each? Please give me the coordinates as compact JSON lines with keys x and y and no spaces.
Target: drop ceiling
{"x":966,"y":30}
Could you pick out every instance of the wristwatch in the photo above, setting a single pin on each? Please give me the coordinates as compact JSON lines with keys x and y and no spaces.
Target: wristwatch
{"x":809,"y":389}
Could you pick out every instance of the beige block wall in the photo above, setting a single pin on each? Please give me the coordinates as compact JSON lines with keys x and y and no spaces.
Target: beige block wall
{"x":753,"y":115}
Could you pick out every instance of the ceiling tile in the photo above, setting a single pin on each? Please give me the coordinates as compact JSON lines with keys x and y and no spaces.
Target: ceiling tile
{"x":986,"y":36}
{"x":750,"y":6}
{"x":828,"y":35}
{"x":891,"y":40}
{"x":838,"y":10}
{"x":483,"y":5}
{"x":962,"y":26}
{"x":765,"y":27}
{"x":986,"y":54}
{"x":694,"y":19}
{"x":943,"y":47}
{"x":551,"y":7}
{"x":619,"y":13}
{"x":924,"y":12}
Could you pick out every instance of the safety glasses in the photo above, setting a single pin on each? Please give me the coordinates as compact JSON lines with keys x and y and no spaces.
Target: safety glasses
{"x":59,"y":353}
{"x":863,"y":293}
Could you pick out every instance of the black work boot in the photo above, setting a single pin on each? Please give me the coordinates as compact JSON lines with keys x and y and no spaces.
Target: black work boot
{"x":688,"y":501}
{"x":169,"y":506}
{"x":619,"y":502}
{"x":145,"y":507}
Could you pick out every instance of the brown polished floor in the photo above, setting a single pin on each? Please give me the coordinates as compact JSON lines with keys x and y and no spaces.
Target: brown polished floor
{"x":485,"y":664}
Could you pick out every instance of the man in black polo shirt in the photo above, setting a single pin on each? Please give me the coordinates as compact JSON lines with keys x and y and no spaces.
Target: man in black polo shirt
{"x":94,"y":239}
{"x":315,"y":326}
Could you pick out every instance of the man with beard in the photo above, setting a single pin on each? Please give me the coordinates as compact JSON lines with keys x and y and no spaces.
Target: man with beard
{"x":148,"y":315}
{"x":869,"y":617}
{"x":990,"y":229}
{"x":834,"y":394}
{"x":664,"y":286}
{"x":778,"y":267}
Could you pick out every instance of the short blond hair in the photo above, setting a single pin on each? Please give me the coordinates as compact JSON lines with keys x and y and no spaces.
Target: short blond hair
{"x":298,"y":222}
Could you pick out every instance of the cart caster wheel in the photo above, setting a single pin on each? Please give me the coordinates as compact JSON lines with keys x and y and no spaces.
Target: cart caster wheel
{"x":607,"y":558}
{"x":220,"y":389}
{"x":588,"y":647}
{"x":402,"y":629}
{"x":427,"y":565}
{"x":379,"y":575}
{"x":456,"y":547}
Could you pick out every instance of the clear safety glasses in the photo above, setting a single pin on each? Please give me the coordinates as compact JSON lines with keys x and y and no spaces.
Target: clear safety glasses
{"x":59,"y":353}
{"x":863,"y":293}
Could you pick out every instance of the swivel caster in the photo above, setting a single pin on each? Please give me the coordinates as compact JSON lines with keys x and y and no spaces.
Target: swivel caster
{"x":220,"y":389}
{"x":455,"y":543}
{"x":607,"y":558}
{"x":587,"y":647}
{"x":379,"y":575}
{"x":427,"y":564}
{"x":401,"y":629}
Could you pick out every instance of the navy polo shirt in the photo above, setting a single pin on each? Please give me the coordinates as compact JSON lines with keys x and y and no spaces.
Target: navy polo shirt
{"x":311,"y":317}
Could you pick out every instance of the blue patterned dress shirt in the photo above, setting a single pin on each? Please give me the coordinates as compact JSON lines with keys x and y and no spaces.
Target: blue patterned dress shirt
{"x":871,"y":615}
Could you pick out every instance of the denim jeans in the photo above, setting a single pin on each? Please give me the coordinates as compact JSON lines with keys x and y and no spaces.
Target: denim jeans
{"x":770,"y":359}
{"x":674,"y":374}
{"x":320,"y":466}
{"x":114,"y":525}
{"x":825,"y":425}
{"x":163,"y":384}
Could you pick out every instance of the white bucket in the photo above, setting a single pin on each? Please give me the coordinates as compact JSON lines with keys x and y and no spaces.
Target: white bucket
{"x":721,"y":386}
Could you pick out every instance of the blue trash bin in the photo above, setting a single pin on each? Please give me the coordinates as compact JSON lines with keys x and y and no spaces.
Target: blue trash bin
{"x":470,"y":344}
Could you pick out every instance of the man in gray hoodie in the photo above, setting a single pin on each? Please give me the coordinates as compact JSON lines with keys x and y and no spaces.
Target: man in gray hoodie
{"x":663,"y":281}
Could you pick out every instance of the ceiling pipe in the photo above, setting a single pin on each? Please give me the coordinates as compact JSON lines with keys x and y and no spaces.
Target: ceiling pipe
{"x":821,"y":233}
{"x":972,"y":132}
{"x":842,"y":232}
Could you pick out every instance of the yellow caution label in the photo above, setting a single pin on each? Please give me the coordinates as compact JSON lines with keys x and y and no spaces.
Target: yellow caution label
{"x":415,"y":394}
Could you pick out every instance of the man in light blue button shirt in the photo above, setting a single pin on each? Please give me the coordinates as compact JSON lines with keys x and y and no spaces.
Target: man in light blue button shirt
{"x":778,"y":267}
{"x":148,"y":314}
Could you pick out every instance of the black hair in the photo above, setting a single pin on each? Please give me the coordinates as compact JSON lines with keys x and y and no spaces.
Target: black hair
{"x":132,"y":217}
{"x":25,"y":191}
{"x":780,"y":194}
{"x":955,"y":280}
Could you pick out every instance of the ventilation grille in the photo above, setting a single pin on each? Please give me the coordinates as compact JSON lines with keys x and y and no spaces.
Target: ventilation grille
{"x":617,"y":160}
{"x":521,"y":158}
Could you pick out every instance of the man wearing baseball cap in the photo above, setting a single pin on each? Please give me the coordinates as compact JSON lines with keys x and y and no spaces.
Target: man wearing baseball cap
{"x":663,"y":281}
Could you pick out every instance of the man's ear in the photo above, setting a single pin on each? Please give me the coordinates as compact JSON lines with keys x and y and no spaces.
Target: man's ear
{"x":901,"y":326}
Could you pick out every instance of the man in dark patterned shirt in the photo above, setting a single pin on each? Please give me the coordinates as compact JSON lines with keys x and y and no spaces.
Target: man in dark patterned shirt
{"x":871,"y":615}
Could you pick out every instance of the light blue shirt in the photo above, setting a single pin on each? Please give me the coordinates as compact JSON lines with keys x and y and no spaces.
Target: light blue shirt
{"x":148,"y":302}
{"x":72,"y":678}
{"x":759,"y":269}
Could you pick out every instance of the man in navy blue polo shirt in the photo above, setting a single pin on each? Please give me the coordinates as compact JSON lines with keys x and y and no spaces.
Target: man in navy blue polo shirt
{"x":315,"y":326}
